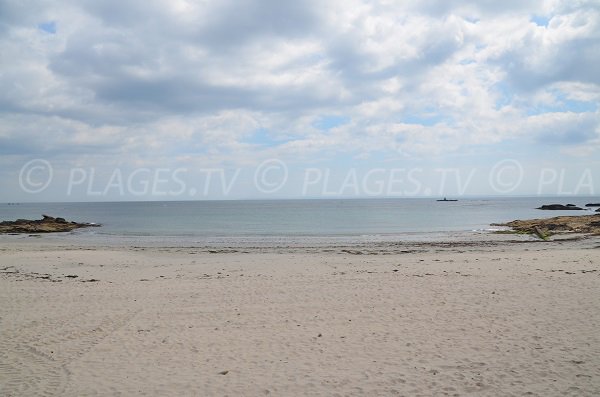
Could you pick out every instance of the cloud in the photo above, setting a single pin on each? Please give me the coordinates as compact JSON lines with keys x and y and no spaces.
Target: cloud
{"x":233,"y":23}
{"x":183,"y":78}
{"x":536,"y":56}
{"x":565,"y":128}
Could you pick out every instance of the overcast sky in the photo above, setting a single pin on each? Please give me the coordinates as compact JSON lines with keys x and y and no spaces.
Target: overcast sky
{"x":328,"y":85}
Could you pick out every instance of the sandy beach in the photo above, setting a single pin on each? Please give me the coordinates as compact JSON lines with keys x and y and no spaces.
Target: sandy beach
{"x":497,"y":319}
{"x":299,"y":198}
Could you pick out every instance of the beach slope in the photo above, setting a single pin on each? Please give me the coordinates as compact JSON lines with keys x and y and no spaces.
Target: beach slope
{"x":520,"y":319}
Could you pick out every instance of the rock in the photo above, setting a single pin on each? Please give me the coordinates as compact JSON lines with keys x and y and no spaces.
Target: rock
{"x":540,"y":233}
{"x":47,"y":224}
{"x":561,"y":224}
{"x":593,"y":205}
{"x":560,"y":207}
{"x":598,"y":210}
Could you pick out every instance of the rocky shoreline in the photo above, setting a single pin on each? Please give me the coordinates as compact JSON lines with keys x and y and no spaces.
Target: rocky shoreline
{"x":47,"y":224}
{"x":544,"y":228}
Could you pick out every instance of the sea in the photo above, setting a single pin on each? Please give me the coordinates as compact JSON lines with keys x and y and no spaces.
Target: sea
{"x":301,"y":221}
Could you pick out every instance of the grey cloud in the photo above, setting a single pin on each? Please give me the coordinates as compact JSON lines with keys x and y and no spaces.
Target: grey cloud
{"x":579,"y":61}
{"x":574,"y":61}
{"x":127,"y":14}
{"x":101,"y":59}
{"x":123,"y":97}
{"x":566,"y":6}
{"x":219,"y":25}
{"x":97,"y":52}
{"x":53,"y":135}
{"x":486,"y":7}
{"x":233,"y":23}
{"x":19,"y":13}
{"x":174,"y":95}
{"x":119,"y":67}
{"x":436,"y":45}
{"x":18,"y":146}
{"x":535,"y":63}
{"x":567,"y":129}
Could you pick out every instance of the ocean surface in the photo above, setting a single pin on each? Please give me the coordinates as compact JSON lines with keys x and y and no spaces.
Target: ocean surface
{"x":288,"y":221}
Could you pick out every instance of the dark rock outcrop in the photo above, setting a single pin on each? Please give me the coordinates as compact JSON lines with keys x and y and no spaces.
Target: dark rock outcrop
{"x":593,"y":205}
{"x":560,"y":207}
{"x":47,"y":224}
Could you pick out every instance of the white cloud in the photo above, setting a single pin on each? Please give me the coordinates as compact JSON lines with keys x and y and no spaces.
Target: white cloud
{"x":182,"y":78}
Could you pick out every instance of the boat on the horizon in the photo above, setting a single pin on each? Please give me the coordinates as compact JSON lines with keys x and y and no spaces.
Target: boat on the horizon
{"x":445,"y":199}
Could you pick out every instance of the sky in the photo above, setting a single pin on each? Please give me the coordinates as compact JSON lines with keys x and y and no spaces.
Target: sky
{"x":189,"y":100}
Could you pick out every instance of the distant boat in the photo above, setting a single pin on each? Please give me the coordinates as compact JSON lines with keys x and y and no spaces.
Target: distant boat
{"x":445,"y":199}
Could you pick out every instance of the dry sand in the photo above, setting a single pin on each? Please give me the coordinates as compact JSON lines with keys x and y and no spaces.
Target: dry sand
{"x":520,"y":319}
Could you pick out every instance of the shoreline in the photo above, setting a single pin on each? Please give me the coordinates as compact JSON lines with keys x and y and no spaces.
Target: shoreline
{"x":446,"y":241}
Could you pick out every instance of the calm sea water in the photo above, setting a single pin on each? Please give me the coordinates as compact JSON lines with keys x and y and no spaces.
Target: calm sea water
{"x":291,"y":219}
